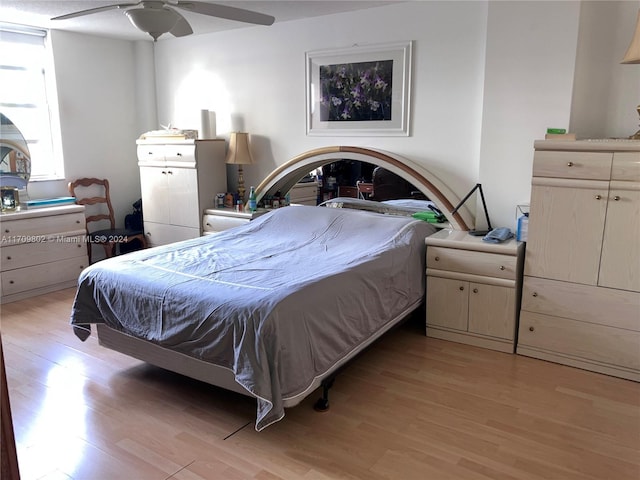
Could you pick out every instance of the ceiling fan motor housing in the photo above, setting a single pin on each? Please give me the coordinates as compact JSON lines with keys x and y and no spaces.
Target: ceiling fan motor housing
{"x":154,"y":21}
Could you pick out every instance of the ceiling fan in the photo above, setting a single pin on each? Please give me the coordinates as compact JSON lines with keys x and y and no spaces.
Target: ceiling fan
{"x":157,"y":17}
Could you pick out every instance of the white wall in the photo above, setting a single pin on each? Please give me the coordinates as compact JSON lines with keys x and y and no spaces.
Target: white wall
{"x":528,"y":83}
{"x":99,"y":124}
{"x":488,"y":79}
{"x":254,"y":79}
{"x":468,"y":123}
{"x":606,"y":93}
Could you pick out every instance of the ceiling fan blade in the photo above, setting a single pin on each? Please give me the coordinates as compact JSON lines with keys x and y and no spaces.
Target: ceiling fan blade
{"x":182,"y":27}
{"x":94,"y":10}
{"x":223,"y":11}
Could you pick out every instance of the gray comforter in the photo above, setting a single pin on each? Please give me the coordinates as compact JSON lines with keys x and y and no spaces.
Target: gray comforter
{"x":278,"y":301}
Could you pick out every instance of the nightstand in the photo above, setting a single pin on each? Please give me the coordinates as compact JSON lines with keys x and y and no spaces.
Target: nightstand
{"x":219,"y":219}
{"x":473,"y":289}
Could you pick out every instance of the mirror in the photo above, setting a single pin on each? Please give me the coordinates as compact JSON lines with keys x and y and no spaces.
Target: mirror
{"x":15,"y":160}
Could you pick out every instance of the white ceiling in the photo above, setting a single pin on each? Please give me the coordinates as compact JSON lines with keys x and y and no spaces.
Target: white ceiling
{"x":114,"y":23}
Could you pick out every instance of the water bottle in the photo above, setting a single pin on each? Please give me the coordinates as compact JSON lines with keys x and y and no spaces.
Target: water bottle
{"x":252,"y":200}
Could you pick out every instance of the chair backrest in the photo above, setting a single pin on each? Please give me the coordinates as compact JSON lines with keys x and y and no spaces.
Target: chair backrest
{"x":91,"y":184}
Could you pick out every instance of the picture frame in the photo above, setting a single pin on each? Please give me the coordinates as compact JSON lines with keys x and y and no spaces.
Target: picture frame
{"x":360,"y":90}
{"x":10,"y":198}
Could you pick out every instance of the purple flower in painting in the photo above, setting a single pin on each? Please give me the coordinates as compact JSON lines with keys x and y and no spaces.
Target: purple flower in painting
{"x":356,"y":91}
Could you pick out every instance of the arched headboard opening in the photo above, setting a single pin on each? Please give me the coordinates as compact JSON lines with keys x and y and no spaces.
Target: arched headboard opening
{"x":288,"y":174}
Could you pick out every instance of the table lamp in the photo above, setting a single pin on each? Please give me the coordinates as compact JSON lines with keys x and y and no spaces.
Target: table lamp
{"x":239,"y":154}
{"x":633,"y":57}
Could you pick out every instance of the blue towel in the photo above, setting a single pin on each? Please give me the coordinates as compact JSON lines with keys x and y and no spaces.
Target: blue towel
{"x":498,"y":235}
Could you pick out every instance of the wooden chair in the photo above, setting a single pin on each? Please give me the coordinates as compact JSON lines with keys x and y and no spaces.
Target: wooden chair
{"x":110,"y":237}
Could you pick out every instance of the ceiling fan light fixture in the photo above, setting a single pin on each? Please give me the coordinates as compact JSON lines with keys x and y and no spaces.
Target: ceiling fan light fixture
{"x":154,"y":21}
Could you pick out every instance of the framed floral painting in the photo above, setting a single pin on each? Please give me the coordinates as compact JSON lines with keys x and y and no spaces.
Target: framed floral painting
{"x":359,"y":91}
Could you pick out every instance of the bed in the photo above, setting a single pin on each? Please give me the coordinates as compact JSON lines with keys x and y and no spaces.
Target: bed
{"x":270,"y":309}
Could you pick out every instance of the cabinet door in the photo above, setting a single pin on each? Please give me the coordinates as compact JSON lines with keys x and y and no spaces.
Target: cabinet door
{"x":447,"y":303}
{"x":155,"y":194}
{"x":620,"y":263}
{"x":566,"y":225}
{"x":492,"y":310}
{"x":184,"y":208}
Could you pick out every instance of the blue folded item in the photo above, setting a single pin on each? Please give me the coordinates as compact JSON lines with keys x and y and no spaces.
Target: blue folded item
{"x":498,"y":235}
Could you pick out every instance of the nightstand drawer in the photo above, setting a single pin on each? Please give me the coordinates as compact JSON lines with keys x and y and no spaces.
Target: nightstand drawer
{"x":219,"y":223}
{"x":585,"y":165}
{"x":472,"y":262}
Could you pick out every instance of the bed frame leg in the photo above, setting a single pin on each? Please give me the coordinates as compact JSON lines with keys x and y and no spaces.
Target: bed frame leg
{"x":322,"y":405}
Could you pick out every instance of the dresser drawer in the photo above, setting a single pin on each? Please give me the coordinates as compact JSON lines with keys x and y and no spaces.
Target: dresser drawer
{"x":151,"y":154}
{"x":472,"y":262}
{"x":582,"y":341}
{"x":219,"y":223}
{"x":175,"y":154}
{"x":604,"y":306}
{"x":27,"y":254}
{"x":304,"y":193}
{"x":12,"y":230}
{"x":44,"y":275}
{"x":626,"y":166}
{"x":583,"y":165}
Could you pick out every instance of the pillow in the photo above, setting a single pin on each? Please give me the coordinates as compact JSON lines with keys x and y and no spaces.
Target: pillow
{"x":403,"y":207}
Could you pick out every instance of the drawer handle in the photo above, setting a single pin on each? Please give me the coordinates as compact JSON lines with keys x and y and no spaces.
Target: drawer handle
{"x":461,"y":288}
{"x":617,"y":198}
{"x":535,"y":294}
{"x":208,"y":224}
{"x":149,"y":153}
{"x":11,"y":282}
{"x":163,"y":172}
{"x":501,"y":267}
{"x":598,"y":197}
{"x":179,"y":154}
{"x":531,"y":329}
{"x":8,"y":258}
{"x":437,"y":259}
{"x":77,"y":221}
{"x":170,"y":172}
{"x":475,"y":290}
{"x":569,"y":164}
{"x":6,"y":230}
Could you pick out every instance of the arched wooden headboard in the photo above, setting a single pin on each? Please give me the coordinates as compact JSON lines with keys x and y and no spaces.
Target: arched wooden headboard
{"x":288,"y":174}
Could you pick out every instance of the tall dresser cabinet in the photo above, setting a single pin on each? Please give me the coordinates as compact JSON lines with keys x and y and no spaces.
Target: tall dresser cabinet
{"x":179,"y":180}
{"x":581,"y":300}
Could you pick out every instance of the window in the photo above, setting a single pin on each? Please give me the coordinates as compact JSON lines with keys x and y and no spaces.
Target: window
{"x":28,"y":96}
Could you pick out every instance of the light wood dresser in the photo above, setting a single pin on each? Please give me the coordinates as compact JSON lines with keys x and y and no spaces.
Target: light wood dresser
{"x":42,"y":250}
{"x":581,"y":300}
{"x":473,"y":289}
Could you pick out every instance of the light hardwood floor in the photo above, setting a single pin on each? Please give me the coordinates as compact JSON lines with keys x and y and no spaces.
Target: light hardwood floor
{"x":411,"y":407}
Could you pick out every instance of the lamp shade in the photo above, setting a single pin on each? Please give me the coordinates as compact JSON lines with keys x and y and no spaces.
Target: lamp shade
{"x":633,"y":52}
{"x":239,"y":153}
